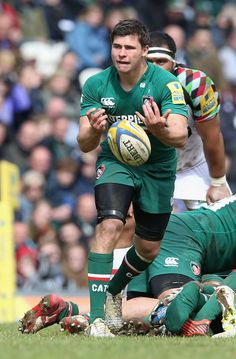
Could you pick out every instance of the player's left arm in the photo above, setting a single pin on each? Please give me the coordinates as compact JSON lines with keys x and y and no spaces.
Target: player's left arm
{"x":169,"y":128}
{"x":213,"y":145}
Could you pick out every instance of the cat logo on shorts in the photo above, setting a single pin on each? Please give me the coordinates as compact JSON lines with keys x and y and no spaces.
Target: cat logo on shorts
{"x":100,"y":171}
{"x":177,"y":93}
{"x":196,"y":269}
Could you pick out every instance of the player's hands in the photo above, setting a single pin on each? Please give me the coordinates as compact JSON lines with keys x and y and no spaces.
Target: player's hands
{"x":216,"y":193}
{"x":153,"y":119}
{"x":97,"y":119}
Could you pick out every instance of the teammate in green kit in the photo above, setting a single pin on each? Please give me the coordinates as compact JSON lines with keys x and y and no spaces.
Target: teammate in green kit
{"x":138,"y":91}
{"x":195,"y":243}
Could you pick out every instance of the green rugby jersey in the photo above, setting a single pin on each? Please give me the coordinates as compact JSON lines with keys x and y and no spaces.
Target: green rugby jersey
{"x":104,"y":90}
{"x":213,"y":230}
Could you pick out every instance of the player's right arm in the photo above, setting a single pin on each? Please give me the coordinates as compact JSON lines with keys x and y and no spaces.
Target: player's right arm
{"x":91,"y":128}
{"x":93,"y":119}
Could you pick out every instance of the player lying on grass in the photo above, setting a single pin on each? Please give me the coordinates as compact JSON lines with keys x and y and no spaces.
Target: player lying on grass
{"x":199,"y":242}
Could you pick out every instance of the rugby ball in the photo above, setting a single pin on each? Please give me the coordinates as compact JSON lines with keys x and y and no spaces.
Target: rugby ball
{"x":129,"y":143}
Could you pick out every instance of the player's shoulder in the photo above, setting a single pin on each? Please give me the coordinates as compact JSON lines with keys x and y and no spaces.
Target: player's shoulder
{"x":101,"y":77}
{"x":188,"y":74}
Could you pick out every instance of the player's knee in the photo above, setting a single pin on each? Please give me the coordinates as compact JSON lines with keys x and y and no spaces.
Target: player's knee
{"x":110,"y":227}
{"x":147,"y":249}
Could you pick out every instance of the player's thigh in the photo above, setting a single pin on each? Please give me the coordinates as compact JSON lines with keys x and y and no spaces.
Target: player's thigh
{"x":114,"y":188}
{"x":155,"y":193}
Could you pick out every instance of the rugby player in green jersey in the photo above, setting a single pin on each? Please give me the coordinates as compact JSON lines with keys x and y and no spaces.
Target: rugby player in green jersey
{"x":138,"y":91}
{"x":195,"y":243}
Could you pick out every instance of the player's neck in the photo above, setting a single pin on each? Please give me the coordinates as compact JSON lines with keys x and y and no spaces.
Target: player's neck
{"x":128,"y":80}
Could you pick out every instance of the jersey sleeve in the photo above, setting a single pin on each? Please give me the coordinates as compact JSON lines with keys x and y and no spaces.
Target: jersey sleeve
{"x":202,"y":92}
{"x":172,"y":97}
{"x":90,"y":95}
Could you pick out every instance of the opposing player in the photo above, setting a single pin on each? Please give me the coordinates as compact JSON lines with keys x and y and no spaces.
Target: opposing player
{"x":127,"y":90}
{"x":201,"y":163}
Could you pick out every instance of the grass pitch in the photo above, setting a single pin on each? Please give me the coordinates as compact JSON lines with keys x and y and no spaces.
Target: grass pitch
{"x":50,"y":343}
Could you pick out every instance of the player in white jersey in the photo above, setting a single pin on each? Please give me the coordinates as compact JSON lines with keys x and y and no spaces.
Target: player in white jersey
{"x":201,"y":163}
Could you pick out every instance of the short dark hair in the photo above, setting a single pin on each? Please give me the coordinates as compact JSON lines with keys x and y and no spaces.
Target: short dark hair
{"x":131,"y":27}
{"x":158,"y":38}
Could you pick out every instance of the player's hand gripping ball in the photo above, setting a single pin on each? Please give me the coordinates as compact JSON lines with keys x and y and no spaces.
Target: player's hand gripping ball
{"x":129,"y":143}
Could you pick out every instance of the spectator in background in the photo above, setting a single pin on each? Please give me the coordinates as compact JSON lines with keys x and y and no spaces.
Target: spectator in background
{"x":69,"y":233}
{"x":41,"y":160}
{"x":19,"y":149}
{"x":10,"y":35}
{"x":224,"y":23}
{"x":55,"y":11}
{"x":86,"y":214}
{"x":89,"y":38}
{"x":227,"y":55}
{"x":69,"y":65}
{"x":63,"y":198}
{"x":177,"y":33}
{"x":203,"y":55}
{"x":49,"y":275}
{"x":44,"y":125}
{"x":10,"y":10}
{"x":55,"y":107}
{"x":30,"y":80}
{"x":56,"y":142}
{"x":74,"y":265}
{"x":8,"y":63}
{"x":32,"y":20}
{"x":60,"y":85}
{"x":87,"y":173}
{"x":32,"y":190}
{"x":25,"y":252}
{"x":41,"y":226}
{"x":6,"y":105}
{"x":180,"y":13}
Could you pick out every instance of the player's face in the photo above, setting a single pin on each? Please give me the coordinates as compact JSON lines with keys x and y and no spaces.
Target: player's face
{"x":162,"y":62}
{"x":127,"y":53}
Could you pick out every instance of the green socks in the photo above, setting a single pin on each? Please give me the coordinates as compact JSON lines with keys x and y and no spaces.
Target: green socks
{"x":99,"y":272}
{"x":188,"y":300}
{"x":133,"y":264}
{"x":71,"y":309}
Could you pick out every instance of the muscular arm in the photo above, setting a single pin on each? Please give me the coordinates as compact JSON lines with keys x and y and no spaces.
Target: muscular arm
{"x":91,"y":129}
{"x":213,"y":146}
{"x":174,"y":133}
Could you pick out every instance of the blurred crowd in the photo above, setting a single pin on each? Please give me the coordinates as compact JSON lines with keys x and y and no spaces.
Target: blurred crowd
{"x":48,"y":48}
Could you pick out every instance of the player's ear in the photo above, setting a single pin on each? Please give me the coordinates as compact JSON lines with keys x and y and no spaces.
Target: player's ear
{"x":145,"y":50}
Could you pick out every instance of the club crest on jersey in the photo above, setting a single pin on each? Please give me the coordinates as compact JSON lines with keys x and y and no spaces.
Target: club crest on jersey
{"x":177,"y":93}
{"x":100,"y":171}
{"x":108,"y":102}
{"x":196,"y":269}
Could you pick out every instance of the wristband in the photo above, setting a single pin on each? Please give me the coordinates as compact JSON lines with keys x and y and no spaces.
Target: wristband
{"x":216,"y":182}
